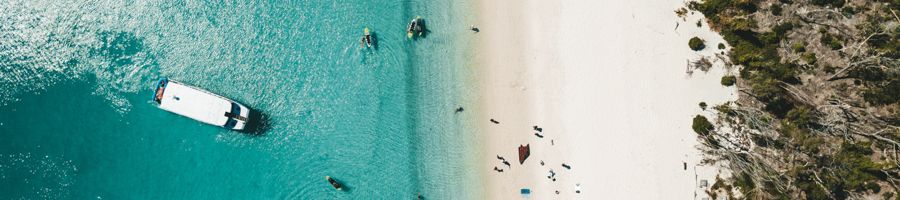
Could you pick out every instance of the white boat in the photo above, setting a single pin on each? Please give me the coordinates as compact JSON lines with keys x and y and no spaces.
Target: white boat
{"x":200,"y":105}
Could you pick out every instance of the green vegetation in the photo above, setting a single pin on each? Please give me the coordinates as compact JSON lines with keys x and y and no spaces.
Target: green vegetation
{"x":703,"y":105}
{"x":701,"y":125}
{"x":793,"y":118}
{"x":888,"y":93}
{"x":832,"y":3}
{"x":809,"y":58}
{"x":776,"y":9}
{"x":728,"y":80}
{"x":696,"y":44}
{"x":831,"y":41}
{"x":799,"y":47}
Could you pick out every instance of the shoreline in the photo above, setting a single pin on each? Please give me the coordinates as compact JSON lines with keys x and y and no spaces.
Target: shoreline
{"x":607,"y":83}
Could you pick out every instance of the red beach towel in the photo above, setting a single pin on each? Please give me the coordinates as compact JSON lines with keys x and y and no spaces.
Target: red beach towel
{"x":524,"y":152}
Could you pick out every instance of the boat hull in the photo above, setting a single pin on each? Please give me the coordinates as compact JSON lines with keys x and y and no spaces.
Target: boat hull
{"x":201,"y":105}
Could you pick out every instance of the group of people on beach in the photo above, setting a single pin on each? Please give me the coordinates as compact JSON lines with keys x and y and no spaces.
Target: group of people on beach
{"x":539,"y":133}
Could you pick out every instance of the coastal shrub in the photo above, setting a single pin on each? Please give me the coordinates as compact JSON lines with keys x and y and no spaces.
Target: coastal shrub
{"x":809,"y":58}
{"x":856,"y":168}
{"x":701,"y":125}
{"x":802,"y":139}
{"x":776,"y":9}
{"x":703,"y":105}
{"x":744,"y":183}
{"x":888,"y":44}
{"x":799,"y":47}
{"x":728,"y":80}
{"x":696,"y":44}
{"x":832,"y":3}
{"x":721,"y":46}
{"x":871,"y":74}
{"x":800,"y":116}
{"x":831,"y":41}
{"x":848,"y":11}
{"x":882,"y":95}
{"x":806,"y":181}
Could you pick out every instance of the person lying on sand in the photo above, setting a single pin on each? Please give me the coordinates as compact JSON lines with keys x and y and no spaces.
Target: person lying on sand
{"x":538,"y":135}
{"x":494,"y":121}
{"x":566,"y":166}
{"x":507,"y":164}
{"x":497,"y":169}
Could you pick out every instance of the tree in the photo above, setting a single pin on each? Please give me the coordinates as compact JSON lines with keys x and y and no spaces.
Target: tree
{"x":701,"y":125}
{"x":696,"y":44}
{"x":728,"y":80}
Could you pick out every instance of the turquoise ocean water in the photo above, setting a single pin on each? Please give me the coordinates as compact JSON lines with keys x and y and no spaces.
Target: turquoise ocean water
{"x":76,"y":120}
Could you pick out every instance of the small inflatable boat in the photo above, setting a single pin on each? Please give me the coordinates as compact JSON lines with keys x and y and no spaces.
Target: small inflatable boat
{"x":334,"y":183}
{"x":366,"y":39}
{"x":415,"y":28}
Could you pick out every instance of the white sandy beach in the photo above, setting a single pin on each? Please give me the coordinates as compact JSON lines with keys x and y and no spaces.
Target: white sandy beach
{"x":607,"y":82}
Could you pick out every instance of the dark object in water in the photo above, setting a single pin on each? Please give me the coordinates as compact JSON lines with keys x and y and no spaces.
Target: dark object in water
{"x":524,"y":152}
{"x":538,"y":135}
{"x":366,"y":39}
{"x":566,"y":166}
{"x":334,"y":183}
{"x":416,"y":28}
{"x":494,"y":121}
{"x":459,"y":110}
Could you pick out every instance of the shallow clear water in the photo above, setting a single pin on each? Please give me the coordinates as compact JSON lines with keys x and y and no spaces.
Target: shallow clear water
{"x":77,"y":121}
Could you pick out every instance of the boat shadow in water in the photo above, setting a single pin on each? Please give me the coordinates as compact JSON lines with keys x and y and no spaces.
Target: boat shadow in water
{"x":374,"y":37}
{"x":259,"y":124}
{"x":425,"y":31}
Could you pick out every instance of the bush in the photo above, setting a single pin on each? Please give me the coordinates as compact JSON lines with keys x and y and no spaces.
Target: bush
{"x":799,"y":47}
{"x":831,"y":41}
{"x":809,"y":57}
{"x":703,"y":105}
{"x":832,"y":3}
{"x":701,"y":125}
{"x":721,"y":46}
{"x":776,"y":9}
{"x":728,"y":80}
{"x":800,"y":116}
{"x":696,"y":44}
{"x":883,"y":95}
